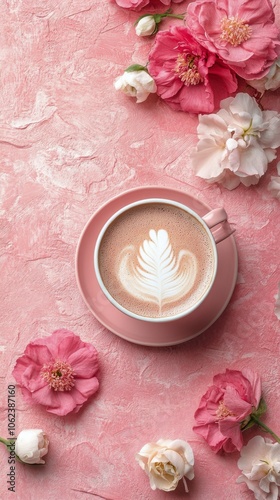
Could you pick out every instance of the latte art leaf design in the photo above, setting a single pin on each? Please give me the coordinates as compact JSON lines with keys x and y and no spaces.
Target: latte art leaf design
{"x":160,"y":276}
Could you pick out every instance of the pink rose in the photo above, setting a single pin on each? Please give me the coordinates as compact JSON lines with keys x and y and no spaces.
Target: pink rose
{"x":241,"y":32}
{"x":188,"y":77}
{"x":226,"y":407}
{"x":137,"y":5}
{"x":58,"y":372}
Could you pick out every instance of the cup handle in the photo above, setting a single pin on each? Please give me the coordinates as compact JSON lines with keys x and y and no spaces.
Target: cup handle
{"x":217,"y":221}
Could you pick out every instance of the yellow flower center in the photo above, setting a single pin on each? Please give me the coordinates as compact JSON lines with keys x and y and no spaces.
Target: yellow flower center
{"x":223,"y":411}
{"x":165,"y":468}
{"x":59,"y":375}
{"x":234,"y":30}
{"x":186,"y":69}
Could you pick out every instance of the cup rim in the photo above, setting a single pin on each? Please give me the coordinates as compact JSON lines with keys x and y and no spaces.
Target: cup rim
{"x":118,"y":213}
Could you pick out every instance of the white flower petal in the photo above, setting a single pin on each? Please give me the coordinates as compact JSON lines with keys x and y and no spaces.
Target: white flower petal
{"x":240,"y":140}
{"x":212,"y":125}
{"x":137,"y":84}
{"x":277,"y":303}
{"x":270,"y":135}
{"x":207,"y":159}
{"x":31,"y":445}
{"x":231,"y":144}
{"x":253,"y":161}
{"x":229,"y":180}
{"x":260,"y":465}
{"x":167,"y":463}
{"x":269,"y":82}
{"x":145,"y":26}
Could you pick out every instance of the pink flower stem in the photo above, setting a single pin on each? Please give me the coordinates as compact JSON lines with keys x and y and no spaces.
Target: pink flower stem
{"x":265,"y":428}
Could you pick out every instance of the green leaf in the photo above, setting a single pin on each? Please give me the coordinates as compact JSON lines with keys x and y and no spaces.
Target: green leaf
{"x":249,"y":422}
{"x":261,"y":408}
{"x":246,"y":424}
{"x":158,"y":18}
{"x":136,"y":67}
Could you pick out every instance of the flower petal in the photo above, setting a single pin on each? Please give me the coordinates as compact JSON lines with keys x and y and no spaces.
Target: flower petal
{"x":84,"y":362}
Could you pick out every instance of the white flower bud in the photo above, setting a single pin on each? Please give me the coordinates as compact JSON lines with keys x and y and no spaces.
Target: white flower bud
{"x":137,"y":84}
{"x":145,"y":26}
{"x":31,"y":446}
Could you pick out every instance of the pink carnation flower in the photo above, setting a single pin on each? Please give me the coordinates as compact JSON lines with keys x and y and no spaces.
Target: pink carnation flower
{"x":241,"y":32}
{"x":188,"y":77}
{"x":226,"y":405}
{"x":58,"y":372}
{"x":137,"y":5}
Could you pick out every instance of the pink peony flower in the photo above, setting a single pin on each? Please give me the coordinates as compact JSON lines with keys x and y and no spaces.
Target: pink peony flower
{"x":227,"y":405}
{"x":241,"y":32}
{"x":188,"y":76}
{"x":137,"y":5}
{"x":58,"y":372}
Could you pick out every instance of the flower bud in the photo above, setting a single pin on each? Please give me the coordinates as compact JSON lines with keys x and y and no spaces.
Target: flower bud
{"x":136,"y":83}
{"x":31,"y":446}
{"x":146,"y":26}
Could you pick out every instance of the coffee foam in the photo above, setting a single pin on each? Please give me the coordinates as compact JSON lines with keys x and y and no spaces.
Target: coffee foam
{"x":156,"y":260}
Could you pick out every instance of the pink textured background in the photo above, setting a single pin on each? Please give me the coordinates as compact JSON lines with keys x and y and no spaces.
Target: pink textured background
{"x":69,"y":142}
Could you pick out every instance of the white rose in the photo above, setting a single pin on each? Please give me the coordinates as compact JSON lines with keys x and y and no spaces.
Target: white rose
{"x":137,"y":84}
{"x":166,"y":462}
{"x":31,"y":446}
{"x":146,"y":26}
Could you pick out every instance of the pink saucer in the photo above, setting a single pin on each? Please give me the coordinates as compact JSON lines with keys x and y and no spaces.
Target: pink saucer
{"x":134,"y":330}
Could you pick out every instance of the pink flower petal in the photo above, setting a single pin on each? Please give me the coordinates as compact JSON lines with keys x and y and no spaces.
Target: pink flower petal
{"x":37,"y":352}
{"x":87,"y":387}
{"x":251,"y":55}
{"x":188,"y":76}
{"x":233,"y":396}
{"x":84,"y":362}
{"x":138,"y":5}
{"x":62,"y":343}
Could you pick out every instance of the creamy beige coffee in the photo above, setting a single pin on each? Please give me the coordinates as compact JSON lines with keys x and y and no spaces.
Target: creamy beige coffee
{"x":156,"y":260}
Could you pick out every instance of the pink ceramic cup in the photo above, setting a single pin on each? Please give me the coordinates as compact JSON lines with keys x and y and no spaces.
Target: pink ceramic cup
{"x":144,"y":282}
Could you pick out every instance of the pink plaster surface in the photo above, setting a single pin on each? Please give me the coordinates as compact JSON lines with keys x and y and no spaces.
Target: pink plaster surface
{"x":69,"y":142}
